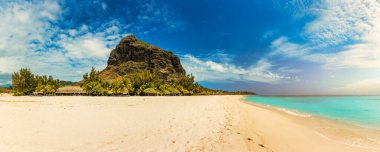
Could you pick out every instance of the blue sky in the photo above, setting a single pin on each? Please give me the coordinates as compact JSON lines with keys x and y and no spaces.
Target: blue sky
{"x":271,"y":47}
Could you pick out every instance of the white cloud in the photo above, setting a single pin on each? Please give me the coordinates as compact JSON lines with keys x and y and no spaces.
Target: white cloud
{"x":339,"y":23}
{"x":207,"y":70}
{"x":112,"y":30}
{"x":86,"y":46}
{"x":354,"y":27}
{"x":284,"y":47}
{"x":26,"y":29}
{"x":10,"y":63}
{"x":365,"y":87}
{"x":23,"y":28}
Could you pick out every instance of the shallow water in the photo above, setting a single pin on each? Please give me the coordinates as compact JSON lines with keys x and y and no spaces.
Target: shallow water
{"x":357,"y":110}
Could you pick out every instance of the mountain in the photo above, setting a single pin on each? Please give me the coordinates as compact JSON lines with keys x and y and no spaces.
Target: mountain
{"x":132,"y":55}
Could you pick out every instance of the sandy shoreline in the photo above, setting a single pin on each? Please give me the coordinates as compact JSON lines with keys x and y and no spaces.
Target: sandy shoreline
{"x":113,"y":124}
{"x":330,"y":135}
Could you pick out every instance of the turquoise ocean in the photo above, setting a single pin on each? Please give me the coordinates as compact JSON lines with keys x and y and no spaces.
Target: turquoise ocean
{"x":357,"y":110}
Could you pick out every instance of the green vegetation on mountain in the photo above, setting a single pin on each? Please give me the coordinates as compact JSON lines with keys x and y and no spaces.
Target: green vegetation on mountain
{"x":94,"y":85}
{"x":141,"y":83}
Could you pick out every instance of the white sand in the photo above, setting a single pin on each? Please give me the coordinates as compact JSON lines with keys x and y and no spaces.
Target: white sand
{"x":119,"y":124}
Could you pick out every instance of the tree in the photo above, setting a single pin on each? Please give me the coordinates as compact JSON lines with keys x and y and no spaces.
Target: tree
{"x":121,"y":86}
{"x":186,"y":81}
{"x":128,"y":88}
{"x":47,"y":85}
{"x":164,"y":89}
{"x":93,"y":76}
{"x":23,"y":82}
{"x":197,"y":88}
{"x":143,"y":80}
{"x":93,"y":84}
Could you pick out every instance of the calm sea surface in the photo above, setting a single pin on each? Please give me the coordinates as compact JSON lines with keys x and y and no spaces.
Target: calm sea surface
{"x":358,"y":110}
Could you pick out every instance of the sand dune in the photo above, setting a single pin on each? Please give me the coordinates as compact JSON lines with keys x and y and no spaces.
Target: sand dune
{"x":119,"y":124}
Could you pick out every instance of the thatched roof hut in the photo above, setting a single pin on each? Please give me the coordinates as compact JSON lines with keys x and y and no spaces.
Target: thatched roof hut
{"x":70,"y":90}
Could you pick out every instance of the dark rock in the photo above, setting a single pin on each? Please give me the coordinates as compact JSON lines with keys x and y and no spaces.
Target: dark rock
{"x":132,"y":55}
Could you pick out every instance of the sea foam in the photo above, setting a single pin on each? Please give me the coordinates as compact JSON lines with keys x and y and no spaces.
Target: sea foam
{"x":294,"y":113}
{"x":356,"y":144}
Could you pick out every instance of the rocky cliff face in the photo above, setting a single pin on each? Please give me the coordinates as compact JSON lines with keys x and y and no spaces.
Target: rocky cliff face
{"x":132,"y":55}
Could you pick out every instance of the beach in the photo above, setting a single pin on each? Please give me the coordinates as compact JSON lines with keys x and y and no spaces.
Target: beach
{"x":181,"y":123}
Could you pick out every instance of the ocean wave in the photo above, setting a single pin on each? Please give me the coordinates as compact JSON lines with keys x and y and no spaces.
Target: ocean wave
{"x":289,"y":112}
{"x":353,"y":144}
{"x":294,"y":113}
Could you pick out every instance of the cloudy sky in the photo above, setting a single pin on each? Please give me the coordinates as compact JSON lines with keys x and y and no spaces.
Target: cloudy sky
{"x":271,"y":47}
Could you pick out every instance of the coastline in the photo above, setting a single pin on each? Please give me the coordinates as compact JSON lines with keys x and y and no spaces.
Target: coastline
{"x":355,"y":137}
{"x":184,"y":123}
